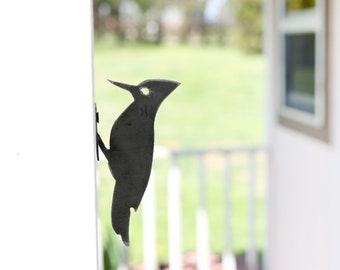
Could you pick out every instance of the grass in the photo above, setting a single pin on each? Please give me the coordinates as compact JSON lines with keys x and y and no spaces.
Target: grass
{"x":220,"y":102}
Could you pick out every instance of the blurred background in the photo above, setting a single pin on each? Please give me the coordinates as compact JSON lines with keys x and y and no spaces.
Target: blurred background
{"x":208,"y":185}
{"x":225,"y":22}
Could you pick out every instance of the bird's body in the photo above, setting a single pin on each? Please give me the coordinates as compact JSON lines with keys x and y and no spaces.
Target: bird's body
{"x":131,"y":150}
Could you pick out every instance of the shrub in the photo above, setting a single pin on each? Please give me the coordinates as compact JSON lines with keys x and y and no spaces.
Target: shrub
{"x":248,"y":27}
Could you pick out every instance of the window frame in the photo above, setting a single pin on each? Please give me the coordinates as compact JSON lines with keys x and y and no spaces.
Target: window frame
{"x":310,"y":20}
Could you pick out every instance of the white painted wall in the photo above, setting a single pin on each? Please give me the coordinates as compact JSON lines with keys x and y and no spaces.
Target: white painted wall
{"x":304,"y":187}
{"x":47,"y":156}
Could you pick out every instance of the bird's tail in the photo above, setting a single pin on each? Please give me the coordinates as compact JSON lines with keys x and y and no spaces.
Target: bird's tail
{"x":120,"y":214}
{"x":102,"y":146}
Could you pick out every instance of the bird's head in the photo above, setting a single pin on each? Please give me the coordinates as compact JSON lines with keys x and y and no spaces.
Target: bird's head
{"x":151,"y":92}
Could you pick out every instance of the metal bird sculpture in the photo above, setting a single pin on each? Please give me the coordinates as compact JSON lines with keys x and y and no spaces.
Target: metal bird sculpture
{"x":131,"y":149}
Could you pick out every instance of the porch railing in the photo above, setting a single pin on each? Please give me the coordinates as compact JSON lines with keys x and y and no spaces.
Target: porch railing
{"x":175,"y":255}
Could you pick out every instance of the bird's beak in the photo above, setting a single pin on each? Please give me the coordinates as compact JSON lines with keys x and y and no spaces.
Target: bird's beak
{"x":169,"y":87}
{"x":173,"y":85}
{"x":123,"y":85}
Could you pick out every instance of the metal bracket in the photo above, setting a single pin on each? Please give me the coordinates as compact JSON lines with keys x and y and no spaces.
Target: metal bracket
{"x":97,"y":121}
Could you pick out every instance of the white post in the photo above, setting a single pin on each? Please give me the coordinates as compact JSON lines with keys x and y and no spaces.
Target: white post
{"x":48,"y":196}
{"x":202,"y":237}
{"x":228,"y":258}
{"x":123,"y":254}
{"x":251,"y":256}
{"x":149,"y":225}
{"x":174,"y":217}
{"x":202,"y":233}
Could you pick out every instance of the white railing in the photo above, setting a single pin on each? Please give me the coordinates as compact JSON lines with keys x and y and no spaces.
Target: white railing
{"x":202,"y":219}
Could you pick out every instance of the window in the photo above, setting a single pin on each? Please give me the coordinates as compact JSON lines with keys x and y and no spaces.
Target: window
{"x":301,"y":28}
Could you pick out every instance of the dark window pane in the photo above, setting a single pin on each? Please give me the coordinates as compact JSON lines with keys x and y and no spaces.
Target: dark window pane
{"x":295,"y":5}
{"x":300,"y":71}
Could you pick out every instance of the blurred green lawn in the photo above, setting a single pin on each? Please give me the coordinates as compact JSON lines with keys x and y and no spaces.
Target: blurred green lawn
{"x":220,"y":103}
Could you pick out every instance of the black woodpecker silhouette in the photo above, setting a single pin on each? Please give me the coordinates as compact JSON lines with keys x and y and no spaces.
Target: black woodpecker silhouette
{"x":131,"y":149}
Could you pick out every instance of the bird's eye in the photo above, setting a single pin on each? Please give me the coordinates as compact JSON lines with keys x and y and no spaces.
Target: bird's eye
{"x":144,"y":91}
